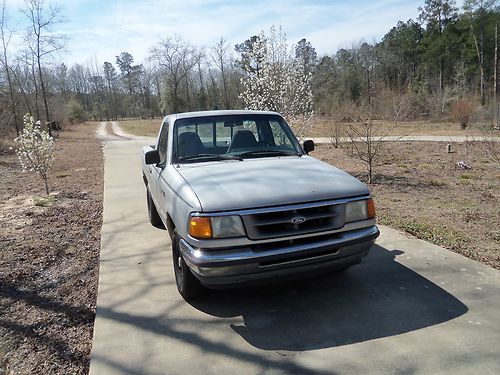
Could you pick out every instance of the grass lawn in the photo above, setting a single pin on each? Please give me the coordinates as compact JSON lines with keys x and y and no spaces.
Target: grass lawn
{"x":420,"y":190}
{"x":146,"y":128}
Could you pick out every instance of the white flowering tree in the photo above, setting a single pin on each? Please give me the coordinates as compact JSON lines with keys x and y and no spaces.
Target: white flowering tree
{"x":35,"y":149}
{"x":281,"y":83}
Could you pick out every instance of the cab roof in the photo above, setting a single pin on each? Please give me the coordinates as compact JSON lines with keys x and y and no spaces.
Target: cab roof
{"x":177,"y":116}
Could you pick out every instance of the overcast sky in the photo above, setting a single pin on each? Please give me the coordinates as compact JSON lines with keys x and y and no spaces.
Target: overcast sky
{"x":101,"y":29}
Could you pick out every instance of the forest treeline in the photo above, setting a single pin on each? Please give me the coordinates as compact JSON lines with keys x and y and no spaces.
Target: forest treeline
{"x":428,"y":68}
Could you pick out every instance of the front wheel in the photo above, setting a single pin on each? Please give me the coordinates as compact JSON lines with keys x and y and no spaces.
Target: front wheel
{"x":187,"y":284}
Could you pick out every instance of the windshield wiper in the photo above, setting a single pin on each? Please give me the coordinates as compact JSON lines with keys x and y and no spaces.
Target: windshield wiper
{"x":208,"y":157}
{"x":264,"y":153}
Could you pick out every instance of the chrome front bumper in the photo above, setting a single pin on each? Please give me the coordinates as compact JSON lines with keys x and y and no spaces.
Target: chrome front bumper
{"x":230,"y":266}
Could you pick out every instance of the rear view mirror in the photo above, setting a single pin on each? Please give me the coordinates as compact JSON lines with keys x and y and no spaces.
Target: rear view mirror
{"x":308,"y":146}
{"x":152,"y":157}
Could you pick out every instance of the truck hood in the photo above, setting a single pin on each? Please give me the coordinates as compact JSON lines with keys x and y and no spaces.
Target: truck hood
{"x":261,"y":182}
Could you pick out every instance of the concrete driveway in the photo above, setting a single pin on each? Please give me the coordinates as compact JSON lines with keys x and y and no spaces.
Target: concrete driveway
{"x":410,"y":307}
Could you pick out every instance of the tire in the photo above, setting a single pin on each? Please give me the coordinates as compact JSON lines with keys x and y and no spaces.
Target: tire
{"x":188,"y":285}
{"x":154,"y":217}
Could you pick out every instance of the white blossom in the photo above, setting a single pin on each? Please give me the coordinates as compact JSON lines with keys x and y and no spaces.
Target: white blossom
{"x":280,"y":83}
{"x":35,"y":149}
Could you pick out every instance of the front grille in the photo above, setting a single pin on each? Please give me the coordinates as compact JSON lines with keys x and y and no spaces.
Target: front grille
{"x":294,"y":221}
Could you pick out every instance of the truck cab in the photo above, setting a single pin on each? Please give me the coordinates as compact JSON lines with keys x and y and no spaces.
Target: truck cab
{"x":244,"y":202}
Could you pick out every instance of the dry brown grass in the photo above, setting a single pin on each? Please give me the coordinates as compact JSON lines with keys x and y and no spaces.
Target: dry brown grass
{"x":324,"y":127}
{"x":146,"y":128}
{"x":420,"y":190}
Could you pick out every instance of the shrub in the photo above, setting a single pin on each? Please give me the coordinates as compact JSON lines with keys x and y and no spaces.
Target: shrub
{"x":462,"y":112}
{"x":35,"y":149}
{"x":76,"y":112}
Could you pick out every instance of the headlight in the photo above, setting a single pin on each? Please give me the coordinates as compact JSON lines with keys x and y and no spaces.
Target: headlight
{"x":227,"y":226}
{"x":359,"y":210}
{"x":204,"y":227}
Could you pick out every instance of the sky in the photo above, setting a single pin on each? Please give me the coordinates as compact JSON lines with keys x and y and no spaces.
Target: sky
{"x":98,"y":30}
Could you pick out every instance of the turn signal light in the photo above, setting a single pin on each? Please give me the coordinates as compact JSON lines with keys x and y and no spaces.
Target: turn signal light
{"x":200,"y":227}
{"x":370,"y":208}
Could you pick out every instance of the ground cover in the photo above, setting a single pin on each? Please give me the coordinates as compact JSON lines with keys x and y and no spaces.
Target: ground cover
{"x":326,"y":127}
{"x":420,"y":189}
{"x":49,"y":258}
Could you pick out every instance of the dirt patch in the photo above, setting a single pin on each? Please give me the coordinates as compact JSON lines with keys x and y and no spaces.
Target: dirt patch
{"x":421,"y":190}
{"x":49,"y":258}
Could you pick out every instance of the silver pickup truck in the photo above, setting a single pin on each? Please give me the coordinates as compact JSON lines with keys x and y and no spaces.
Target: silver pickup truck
{"x":243,"y":202}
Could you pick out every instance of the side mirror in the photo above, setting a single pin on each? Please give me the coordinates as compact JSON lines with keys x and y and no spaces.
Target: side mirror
{"x":152,"y":157}
{"x":308,"y":146}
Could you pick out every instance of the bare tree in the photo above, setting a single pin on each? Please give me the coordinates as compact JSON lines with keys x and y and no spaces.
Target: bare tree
{"x":41,"y":40}
{"x":479,"y":7}
{"x":146,"y":86}
{"x":366,"y":147}
{"x":220,"y":58}
{"x":111,"y":79}
{"x":333,"y":127}
{"x":6,"y":36}
{"x":22,"y":76}
{"x":366,"y":140}
{"x":177,"y":58}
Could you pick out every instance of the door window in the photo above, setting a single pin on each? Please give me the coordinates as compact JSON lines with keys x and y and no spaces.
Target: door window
{"x":162,"y":143}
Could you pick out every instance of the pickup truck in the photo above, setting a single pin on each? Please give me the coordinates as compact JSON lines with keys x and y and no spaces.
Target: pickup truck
{"x":244,"y":203}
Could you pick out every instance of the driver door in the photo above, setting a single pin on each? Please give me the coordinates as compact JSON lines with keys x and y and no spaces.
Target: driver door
{"x":156,"y":170}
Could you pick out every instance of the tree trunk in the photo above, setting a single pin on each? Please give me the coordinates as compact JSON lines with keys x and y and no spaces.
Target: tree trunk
{"x":495,"y":67}
{"x":188,"y":95}
{"x":481,"y":57}
{"x":44,"y":96}
{"x":46,"y":185}
{"x":35,"y":85}
{"x":224,"y":83}
{"x":11,"y":89}
{"x":174,"y":99}
{"x":441,"y":93}
{"x":12,"y":103}
{"x":480,"y":61}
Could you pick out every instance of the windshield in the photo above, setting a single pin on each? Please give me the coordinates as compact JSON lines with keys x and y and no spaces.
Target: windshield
{"x":232,"y":137}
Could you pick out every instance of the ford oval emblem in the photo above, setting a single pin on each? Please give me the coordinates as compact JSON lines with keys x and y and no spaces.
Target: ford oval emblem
{"x":298,"y":220}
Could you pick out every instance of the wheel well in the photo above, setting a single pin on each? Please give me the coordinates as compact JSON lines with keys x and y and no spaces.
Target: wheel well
{"x":170,"y":225}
